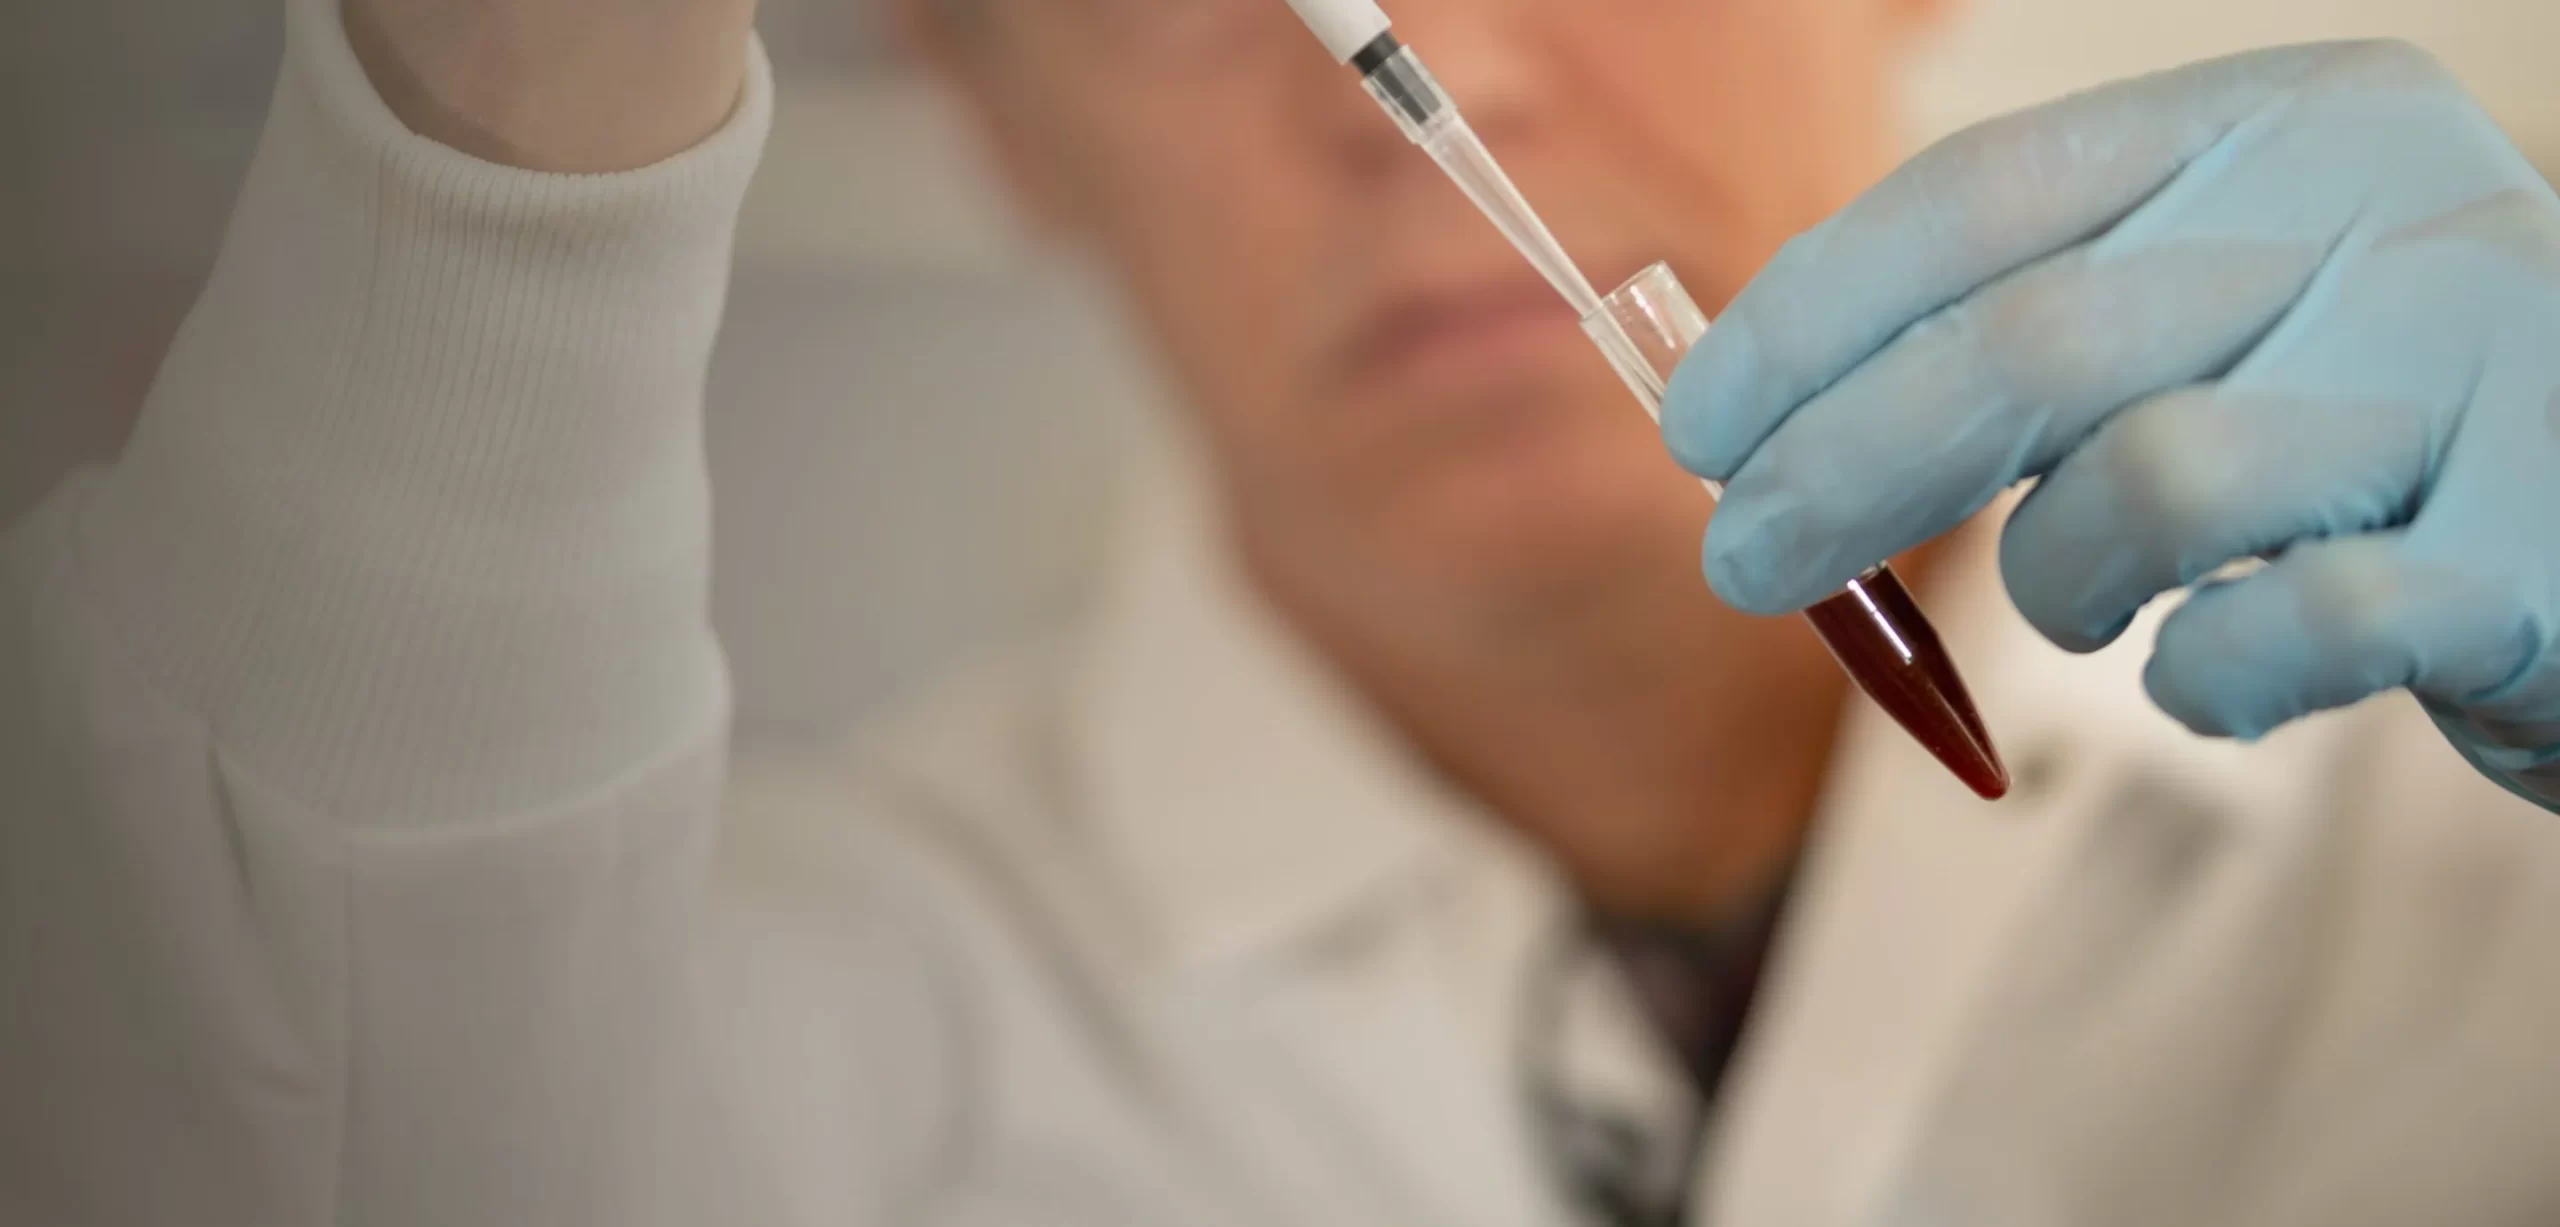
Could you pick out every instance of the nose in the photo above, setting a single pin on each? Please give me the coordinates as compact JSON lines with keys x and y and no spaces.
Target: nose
{"x":1485,"y":56}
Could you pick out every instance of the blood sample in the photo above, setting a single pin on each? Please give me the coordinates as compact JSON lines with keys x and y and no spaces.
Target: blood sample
{"x":1873,"y":627}
{"x":1877,"y":633}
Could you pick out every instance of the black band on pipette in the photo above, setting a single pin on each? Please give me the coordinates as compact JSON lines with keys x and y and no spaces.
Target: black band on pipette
{"x":1398,"y":81}
{"x":1374,"y":56}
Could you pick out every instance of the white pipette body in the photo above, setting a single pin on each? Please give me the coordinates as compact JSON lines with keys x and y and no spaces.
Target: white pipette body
{"x":1344,"y":26}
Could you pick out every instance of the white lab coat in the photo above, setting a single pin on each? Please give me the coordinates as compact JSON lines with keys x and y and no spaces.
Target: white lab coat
{"x":1213,"y":949}
{"x":361,"y":747}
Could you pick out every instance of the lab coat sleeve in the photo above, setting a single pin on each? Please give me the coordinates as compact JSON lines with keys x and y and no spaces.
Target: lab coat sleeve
{"x":361,"y":728}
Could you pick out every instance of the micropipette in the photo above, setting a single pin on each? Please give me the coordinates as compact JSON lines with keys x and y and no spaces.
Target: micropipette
{"x":1873,"y":628}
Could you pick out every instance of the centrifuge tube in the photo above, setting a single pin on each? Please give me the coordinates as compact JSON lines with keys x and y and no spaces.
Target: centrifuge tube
{"x":1873,"y":627}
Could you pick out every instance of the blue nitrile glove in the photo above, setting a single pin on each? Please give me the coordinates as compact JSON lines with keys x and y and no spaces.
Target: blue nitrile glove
{"x":2304,"y":301}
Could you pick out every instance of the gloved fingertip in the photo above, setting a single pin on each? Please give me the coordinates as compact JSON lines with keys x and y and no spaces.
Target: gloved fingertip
{"x":1708,"y":413}
{"x":2248,"y":730}
{"x":1754,"y":558}
{"x":2203,"y":708}
{"x":1739,"y":575}
{"x":2084,"y":640}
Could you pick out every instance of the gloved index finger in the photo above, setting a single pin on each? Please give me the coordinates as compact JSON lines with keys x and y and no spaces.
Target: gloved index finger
{"x":1972,"y":207}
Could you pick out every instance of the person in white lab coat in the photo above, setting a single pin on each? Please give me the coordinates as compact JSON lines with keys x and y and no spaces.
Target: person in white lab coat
{"x":1314,"y":878}
{"x":1405,"y":839}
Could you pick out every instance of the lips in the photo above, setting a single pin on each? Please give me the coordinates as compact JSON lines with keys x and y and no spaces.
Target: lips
{"x":1460,"y":330}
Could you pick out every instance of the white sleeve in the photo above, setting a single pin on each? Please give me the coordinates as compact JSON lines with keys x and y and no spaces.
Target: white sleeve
{"x":361,"y":729}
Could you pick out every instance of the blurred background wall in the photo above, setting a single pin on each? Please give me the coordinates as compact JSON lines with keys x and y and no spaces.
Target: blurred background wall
{"x":916,"y":416}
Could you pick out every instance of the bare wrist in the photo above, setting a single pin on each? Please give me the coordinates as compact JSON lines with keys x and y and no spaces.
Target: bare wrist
{"x":556,"y":85}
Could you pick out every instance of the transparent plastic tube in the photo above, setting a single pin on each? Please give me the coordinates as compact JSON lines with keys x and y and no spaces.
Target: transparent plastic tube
{"x":1873,"y":627}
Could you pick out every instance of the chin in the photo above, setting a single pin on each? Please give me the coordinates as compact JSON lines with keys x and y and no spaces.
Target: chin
{"x":1552,"y":526}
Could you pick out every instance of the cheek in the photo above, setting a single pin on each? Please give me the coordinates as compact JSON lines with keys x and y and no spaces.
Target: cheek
{"x":1218,"y":233}
{"x":1741,"y":121}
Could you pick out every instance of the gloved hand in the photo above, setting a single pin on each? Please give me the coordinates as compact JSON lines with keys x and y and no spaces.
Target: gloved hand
{"x":2303,"y":302}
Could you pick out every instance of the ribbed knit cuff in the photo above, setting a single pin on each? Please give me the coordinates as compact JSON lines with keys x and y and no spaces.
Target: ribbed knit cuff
{"x":416,"y":516}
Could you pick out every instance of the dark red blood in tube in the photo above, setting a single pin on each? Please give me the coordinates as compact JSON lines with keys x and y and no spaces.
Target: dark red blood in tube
{"x":1878,"y":634}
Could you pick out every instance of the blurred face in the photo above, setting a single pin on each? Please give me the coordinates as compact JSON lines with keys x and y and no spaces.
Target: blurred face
{"x":1385,"y":387}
